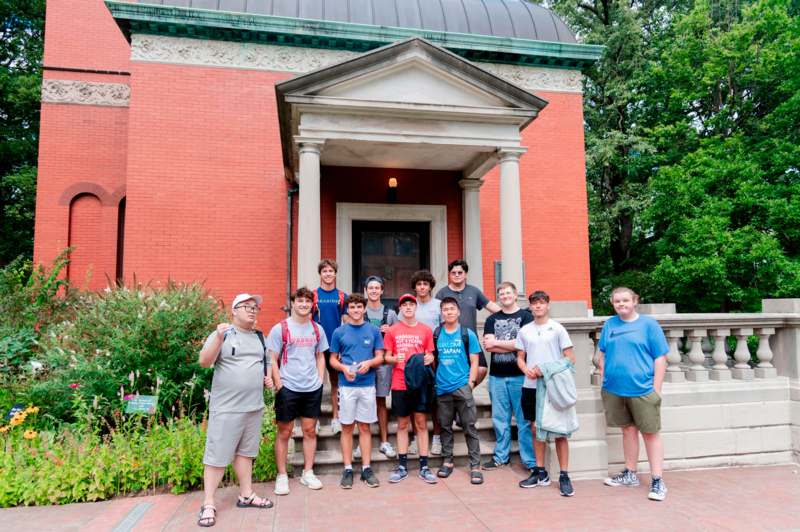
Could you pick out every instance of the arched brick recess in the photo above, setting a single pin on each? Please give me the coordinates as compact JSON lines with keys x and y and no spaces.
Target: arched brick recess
{"x":85,"y":237}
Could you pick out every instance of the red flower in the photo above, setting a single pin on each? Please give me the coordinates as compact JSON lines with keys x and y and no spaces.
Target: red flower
{"x":74,"y":385}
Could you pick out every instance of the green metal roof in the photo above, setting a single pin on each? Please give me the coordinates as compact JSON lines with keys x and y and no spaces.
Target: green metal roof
{"x":293,"y":31}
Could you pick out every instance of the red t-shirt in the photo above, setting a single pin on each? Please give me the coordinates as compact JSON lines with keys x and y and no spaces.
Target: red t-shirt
{"x":403,"y":341}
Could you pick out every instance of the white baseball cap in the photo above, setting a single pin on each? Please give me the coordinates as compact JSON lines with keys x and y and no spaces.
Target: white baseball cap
{"x":244,"y":297}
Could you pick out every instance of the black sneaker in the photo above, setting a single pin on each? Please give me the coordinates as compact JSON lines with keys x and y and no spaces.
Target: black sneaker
{"x":532,"y":481}
{"x":565,"y":485}
{"x":347,"y":479}
{"x":544,"y":477}
{"x":490,"y":464}
{"x":368,"y":477}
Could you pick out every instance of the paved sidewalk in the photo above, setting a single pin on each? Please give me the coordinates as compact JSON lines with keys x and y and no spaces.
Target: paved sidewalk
{"x":757,"y":498}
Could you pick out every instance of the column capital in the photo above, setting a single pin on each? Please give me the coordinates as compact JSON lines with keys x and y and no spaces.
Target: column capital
{"x":470,"y":184}
{"x":309,"y":144}
{"x":506,"y":154}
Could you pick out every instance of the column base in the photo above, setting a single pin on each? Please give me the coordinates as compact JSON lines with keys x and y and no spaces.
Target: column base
{"x":766,"y":373}
{"x":720,"y":374}
{"x":697,"y":375}
{"x":674,"y":376}
{"x":745,"y":374}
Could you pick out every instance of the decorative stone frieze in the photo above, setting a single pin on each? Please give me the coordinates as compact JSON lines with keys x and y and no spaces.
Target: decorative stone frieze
{"x":85,"y":93}
{"x":185,"y":51}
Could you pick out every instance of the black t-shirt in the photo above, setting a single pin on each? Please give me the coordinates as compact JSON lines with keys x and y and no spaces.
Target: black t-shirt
{"x":505,"y":327}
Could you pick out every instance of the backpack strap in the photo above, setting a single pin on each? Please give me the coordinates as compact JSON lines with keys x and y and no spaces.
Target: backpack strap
{"x":465,"y":341}
{"x":316,"y":331}
{"x":385,"y":318}
{"x":286,"y":337}
{"x":315,"y":304}
{"x":436,"y":332}
{"x":264,"y":347}
{"x":341,"y":302}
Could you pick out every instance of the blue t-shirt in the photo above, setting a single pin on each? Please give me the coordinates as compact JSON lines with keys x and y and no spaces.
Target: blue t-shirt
{"x":631,"y":348}
{"x":452,"y":366}
{"x":356,"y":343}
{"x":329,"y":312}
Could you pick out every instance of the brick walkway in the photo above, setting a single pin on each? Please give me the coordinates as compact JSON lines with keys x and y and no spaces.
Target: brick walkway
{"x":759,"y":498}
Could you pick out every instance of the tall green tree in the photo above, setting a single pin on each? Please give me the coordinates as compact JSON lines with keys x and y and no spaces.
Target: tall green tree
{"x":21,"y":47}
{"x":724,"y":108}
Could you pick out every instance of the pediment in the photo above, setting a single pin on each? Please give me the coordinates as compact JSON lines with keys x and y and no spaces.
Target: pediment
{"x":414,"y":81}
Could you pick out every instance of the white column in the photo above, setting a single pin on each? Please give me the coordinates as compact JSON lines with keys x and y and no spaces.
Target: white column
{"x":471,"y":207}
{"x":511,"y":216}
{"x":308,"y":218}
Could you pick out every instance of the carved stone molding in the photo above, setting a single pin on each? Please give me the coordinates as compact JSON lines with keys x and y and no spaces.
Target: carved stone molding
{"x":537,"y":78}
{"x":185,"y":51}
{"x":85,"y":92}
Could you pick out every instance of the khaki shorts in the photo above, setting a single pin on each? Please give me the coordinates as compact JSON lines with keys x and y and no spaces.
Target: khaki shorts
{"x":643,"y":411}
{"x":231,"y":434}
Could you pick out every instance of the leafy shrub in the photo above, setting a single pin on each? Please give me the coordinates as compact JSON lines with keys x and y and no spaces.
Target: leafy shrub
{"x":135,"y":455}
{"x":129,"y":340}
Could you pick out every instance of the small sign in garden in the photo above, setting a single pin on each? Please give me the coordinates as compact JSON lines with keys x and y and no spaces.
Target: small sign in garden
{"x":14,"y":409}
{"x":142,"y":404}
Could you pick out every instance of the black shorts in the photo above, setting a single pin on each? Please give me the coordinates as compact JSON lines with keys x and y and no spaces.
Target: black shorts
{"x":529,"y":404}
{"x":405,"y":402}
{"x":290,"y":405}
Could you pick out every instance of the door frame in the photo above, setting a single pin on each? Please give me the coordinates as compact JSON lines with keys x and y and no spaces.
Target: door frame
{"x":347,"y":212}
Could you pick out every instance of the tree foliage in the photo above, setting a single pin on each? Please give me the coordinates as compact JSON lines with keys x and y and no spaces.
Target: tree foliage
{"x":21,"y":47}
{"x":693,"y":149}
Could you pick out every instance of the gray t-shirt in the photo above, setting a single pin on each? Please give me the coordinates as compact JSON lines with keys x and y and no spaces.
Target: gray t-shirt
{"x":429,"y":313}
{"x":375,"y":316}
{"x":542,"y":343}
{"x":299,"y":371}
{"x":470,"y":300}
{"x":238,"y":383}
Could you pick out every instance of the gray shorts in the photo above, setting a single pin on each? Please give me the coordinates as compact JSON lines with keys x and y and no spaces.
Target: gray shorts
{"x":231,"y":434}
{"x":383,"y":380}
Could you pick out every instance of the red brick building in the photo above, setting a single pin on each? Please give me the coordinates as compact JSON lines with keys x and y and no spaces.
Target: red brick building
{"x":176,"y":134}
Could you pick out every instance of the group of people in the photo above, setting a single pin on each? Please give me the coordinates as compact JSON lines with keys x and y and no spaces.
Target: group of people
{"x":426,"y":358}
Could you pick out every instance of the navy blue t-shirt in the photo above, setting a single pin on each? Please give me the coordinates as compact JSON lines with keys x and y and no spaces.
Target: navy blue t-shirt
{"x":356,"y":343}
{"x":329,"y":312}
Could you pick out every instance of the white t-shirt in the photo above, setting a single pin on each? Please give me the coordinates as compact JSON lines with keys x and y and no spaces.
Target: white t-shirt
{"x":542,"y":343}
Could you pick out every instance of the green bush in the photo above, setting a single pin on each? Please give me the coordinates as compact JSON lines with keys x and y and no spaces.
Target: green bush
{"x":126,"y":341}
{"x":134,"y":455}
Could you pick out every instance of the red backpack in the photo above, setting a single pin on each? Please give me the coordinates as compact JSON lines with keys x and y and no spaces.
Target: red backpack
{"x":286,"y":338}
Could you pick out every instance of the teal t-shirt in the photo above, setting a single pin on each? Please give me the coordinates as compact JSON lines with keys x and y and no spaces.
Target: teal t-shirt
{"x":452,"y":365}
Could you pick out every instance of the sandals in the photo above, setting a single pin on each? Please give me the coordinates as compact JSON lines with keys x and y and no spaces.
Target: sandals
{"x":444,"y":471}
{"x":250,"y":502}
{"x":209,"y":520}
{"x":475,"y":477}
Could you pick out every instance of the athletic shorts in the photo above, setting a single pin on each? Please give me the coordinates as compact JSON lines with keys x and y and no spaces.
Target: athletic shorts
{"x":231,"y":434}
{"x":529,"y":404}
{"x":383,"y":380}
{"x":357,"y":404}
{"x":643,"y":411}
{"x":405,"y":403}
{"x":290,"y":405}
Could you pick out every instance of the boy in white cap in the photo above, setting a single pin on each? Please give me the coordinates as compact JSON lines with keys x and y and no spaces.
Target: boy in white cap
{"x":236,"y":407}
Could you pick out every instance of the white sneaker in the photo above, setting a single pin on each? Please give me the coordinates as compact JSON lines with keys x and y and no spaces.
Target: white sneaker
{"x":336,"y":427}
{"x":357,"y":452}
{"x":436,"y":446}
{"x":412,"y":447}
{"x":282,"y":485}
{"x":387,"y":449}
{"x":310,"y":480}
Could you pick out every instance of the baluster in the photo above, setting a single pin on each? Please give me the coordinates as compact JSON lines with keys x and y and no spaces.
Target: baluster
{"x":741,"y":369}
{"x":720,"y":370}
{"x":596,"y":378}
{"x":674,"y":370}
{"x":708,"y":349}
{"x":697,"y":372}
{"x":765,"y":369}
